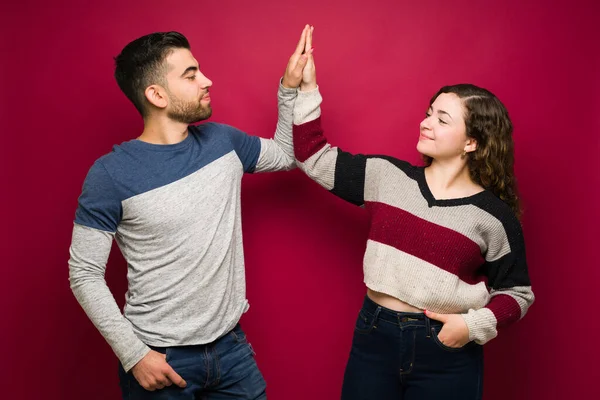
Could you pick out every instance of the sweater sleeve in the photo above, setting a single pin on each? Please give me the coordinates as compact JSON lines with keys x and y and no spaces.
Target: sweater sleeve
{"x":277,"y":154}
{"x":96,"y":220}
{"x":510,"y":287}
{"x":338,"y":171}
{"x":258,"y":154}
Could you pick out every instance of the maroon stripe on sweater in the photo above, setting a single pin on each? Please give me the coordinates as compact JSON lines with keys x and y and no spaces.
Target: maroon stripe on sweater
{"x":443,"y":247}
{"x":308,"y":139}
{"x":505,"y":308}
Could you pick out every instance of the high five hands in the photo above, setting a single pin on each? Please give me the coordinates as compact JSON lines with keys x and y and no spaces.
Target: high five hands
{"x":300,"y":71}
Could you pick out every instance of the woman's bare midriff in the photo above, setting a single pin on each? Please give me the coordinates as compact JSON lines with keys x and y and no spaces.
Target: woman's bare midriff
{"x":387,"y":301}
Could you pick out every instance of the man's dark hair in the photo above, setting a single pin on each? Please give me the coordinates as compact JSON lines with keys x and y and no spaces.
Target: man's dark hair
{"x":142,"y":63}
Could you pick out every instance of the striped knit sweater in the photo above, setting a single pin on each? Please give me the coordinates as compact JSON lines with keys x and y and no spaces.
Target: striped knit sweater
{"x":455,"y":256}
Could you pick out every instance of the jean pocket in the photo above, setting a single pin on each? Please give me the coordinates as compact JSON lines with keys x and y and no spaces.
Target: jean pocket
{"x":239,"y":335}
{"x":364,"y":323}
{"x":434,"y":335}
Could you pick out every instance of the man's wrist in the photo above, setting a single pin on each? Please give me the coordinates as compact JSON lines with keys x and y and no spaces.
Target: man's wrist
{"x":287,"y":85}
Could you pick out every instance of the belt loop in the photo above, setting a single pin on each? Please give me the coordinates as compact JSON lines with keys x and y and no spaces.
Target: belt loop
{"x":427,"y":326}
{"x":376,"y":316}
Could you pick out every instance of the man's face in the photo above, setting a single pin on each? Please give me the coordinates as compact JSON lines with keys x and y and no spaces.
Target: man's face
{"x":187,"y":88}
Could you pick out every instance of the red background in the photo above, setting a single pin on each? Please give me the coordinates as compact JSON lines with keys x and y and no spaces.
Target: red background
{"x":378,"y":63}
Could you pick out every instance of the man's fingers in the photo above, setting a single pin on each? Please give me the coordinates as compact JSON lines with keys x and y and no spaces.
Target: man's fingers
{"x":175,"y":378}
{"x":302,"y":41}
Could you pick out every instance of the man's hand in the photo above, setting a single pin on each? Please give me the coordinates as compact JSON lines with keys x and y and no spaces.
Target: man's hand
{"x":153,"y":372}
{"x":455,"y":332}
{"x":293,"y":74}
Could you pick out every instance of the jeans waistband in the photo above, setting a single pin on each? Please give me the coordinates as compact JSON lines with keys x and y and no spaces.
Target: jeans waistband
{"x":396,"y":317}
{"x":236,"y":331}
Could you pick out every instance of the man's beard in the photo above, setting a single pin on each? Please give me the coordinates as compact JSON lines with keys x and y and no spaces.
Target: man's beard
{"x":189,"y":112}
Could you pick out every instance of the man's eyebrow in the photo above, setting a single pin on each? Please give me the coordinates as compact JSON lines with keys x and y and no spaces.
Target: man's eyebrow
{"x":189,"y":69}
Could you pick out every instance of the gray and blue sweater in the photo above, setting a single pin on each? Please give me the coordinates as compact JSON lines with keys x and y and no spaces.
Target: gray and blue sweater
{"x":174,"y":211}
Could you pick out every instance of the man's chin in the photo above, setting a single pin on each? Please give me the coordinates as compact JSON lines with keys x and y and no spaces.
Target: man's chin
{"x":202,"y":117}
{"x":206,"y":115}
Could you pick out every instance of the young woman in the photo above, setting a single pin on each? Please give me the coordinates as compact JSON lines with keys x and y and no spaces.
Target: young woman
{"x":445,"y":260}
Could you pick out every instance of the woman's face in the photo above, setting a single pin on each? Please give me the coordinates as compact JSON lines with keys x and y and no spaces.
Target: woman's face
{"x":443,"y":133}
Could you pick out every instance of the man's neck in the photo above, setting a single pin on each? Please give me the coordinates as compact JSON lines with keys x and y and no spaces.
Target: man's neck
{"x":163,"y":130}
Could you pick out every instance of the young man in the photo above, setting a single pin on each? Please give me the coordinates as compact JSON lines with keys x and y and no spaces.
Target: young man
{"x":171,"y":199}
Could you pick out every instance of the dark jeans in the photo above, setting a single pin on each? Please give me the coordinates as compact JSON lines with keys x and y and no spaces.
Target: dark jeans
{"x":222,"y":370}
{"x":398,"y":356}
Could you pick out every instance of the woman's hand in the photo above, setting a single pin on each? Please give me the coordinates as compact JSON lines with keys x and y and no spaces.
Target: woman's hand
{"x":455,"y":332}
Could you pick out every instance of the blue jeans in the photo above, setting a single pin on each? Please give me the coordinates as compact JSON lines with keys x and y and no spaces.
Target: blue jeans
{"x":398,"y":356}
{"x":222,"y":370}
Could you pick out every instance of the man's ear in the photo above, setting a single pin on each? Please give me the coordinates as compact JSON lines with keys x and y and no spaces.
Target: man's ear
{"x":157,"y":96}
